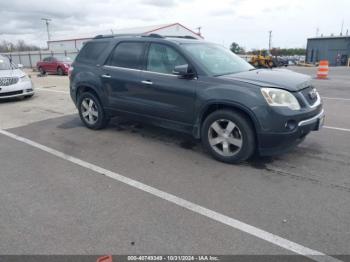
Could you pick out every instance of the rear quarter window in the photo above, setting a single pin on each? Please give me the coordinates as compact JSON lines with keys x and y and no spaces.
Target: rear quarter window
{"x":91,"y":51}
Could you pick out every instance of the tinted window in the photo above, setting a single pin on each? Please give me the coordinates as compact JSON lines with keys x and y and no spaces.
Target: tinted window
{"x":163,"y":59}
{"x":127,"y":55}
{"x":46,"y":59}
{"x":91,"y":51}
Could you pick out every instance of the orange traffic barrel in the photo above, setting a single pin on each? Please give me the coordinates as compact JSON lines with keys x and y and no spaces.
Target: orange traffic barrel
{"x":323,"y":69}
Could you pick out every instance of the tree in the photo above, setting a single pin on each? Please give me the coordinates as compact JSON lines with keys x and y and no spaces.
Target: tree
{"x":235,"y":48}
{"x":6,"y":46}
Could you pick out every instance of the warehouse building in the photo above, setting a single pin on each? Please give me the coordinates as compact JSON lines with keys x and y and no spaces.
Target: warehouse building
{"x":335,"y":49}
{"x":75,"y":44}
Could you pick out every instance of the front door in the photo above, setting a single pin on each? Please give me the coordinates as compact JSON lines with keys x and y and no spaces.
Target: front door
{"x":169,"y":96}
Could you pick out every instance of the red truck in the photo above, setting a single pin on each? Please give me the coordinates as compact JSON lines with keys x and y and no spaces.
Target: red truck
{"x":54,"y":64}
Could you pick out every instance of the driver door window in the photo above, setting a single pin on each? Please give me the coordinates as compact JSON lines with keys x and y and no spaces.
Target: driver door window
{"x":163,"y":59}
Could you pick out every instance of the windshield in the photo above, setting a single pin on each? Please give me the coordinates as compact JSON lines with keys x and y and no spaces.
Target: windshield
{"x":5,"y":64}
{"x":216,"y":59}
{"x":63,"y":58}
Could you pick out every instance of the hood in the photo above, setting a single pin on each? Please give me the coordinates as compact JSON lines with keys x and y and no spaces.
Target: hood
{"x":12,"y":73}
{"x":281,"y":78}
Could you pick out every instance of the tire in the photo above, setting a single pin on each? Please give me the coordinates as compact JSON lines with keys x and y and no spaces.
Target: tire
{"x":88,"y":114}
{"x":42,"y":71}
{"x":235,"y":146}
{"x":60,"y":71}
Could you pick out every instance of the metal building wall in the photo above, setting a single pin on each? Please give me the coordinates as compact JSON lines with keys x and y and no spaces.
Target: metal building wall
{"x":327,"y":49}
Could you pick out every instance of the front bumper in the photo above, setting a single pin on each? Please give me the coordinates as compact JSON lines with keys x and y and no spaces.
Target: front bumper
{"x":277,"y":143}
{"x":19,"y":89}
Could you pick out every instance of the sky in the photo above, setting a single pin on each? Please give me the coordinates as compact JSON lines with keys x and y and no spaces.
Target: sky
{"x":245,"y":22}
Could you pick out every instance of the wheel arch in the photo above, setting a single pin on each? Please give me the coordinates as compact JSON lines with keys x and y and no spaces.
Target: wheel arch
{"x":82,"y":88}
{"x":220,"y":105}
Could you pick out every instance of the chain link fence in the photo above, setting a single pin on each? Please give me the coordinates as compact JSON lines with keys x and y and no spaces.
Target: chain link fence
{"x":29,"y":58}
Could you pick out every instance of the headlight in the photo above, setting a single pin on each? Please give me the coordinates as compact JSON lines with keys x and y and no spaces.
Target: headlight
{"x":24,"y":78}
{"x":280,"y":97}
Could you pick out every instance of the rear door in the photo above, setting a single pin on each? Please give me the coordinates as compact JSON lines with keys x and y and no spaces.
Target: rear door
{"x":122,"y":77}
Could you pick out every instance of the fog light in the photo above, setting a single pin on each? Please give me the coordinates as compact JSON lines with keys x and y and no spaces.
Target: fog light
{"x":291,"y":124}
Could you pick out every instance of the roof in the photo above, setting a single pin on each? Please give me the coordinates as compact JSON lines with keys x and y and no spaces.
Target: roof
{"x":133,"y":30}
{"x":329,"y":37}
{"x":154,"y":37}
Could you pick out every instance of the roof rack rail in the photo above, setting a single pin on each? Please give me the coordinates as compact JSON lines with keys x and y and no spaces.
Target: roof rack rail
{"x":114,"y":35}
{"x":153,"y":35}
{"x":145,"y":35}
{"x":182,"y":36}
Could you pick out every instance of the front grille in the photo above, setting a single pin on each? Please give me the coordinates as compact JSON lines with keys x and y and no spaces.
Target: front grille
{"x":11,"y":93}
{"x":307,"y":93}
{"x":7,"y":81}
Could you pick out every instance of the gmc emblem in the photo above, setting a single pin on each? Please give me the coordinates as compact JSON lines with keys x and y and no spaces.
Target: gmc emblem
{"x":313,"y":94}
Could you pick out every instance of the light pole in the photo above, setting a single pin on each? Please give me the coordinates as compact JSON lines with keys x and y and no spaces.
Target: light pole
{"x":270,"y":36}
{"x":47,"y":20}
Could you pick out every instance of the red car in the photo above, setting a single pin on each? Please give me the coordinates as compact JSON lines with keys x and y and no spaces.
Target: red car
{"x":54,"y":64}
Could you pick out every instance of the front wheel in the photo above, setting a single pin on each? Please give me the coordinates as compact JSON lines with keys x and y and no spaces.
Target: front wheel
{"x":91,"y":111}
{"x":228,"y":136}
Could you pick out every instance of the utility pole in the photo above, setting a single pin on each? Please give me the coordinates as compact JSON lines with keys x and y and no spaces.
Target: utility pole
{"x":199,"y":30}
{"x":270,"y":37}
{"x":47,"y":20}
{"x":342,"y":26}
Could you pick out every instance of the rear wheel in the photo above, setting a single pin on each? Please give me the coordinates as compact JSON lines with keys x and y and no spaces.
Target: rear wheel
{"x":228,"y":136}
{"x":91,"y":111}
{"x":60,"y":71}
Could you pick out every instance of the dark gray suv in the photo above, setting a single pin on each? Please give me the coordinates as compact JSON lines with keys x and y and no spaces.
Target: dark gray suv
{"x":195,"y":87}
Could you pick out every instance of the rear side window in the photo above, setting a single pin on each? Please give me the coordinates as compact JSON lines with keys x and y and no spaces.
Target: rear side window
{"x":127,"y":55}
{"x":91,"y":51}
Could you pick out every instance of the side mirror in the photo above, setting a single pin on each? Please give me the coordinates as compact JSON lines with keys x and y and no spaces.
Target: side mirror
{"x":183,"y":71}
{"x":20,"y":66}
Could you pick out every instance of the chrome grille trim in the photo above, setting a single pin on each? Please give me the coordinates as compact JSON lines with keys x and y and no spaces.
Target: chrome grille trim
{"x":7,"y":81}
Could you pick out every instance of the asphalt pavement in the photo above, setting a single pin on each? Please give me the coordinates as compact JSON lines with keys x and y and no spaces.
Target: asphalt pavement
{"x":50,"y":205}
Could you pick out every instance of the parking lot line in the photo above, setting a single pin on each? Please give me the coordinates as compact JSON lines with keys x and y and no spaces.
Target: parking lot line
{"x":337,"y":128}
{"x":50,"y":90}
{"x":221,"y":218}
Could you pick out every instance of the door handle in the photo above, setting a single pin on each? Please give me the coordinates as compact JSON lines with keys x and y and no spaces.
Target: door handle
{"x":106,"y":76}
{"x":147,"y":82}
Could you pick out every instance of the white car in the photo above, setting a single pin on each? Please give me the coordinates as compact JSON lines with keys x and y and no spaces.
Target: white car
{"x":13,"y":81}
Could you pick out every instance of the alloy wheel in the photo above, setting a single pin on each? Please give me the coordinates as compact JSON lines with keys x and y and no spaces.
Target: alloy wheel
{"x":225,"y":137}
{"x":89,"y":111}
